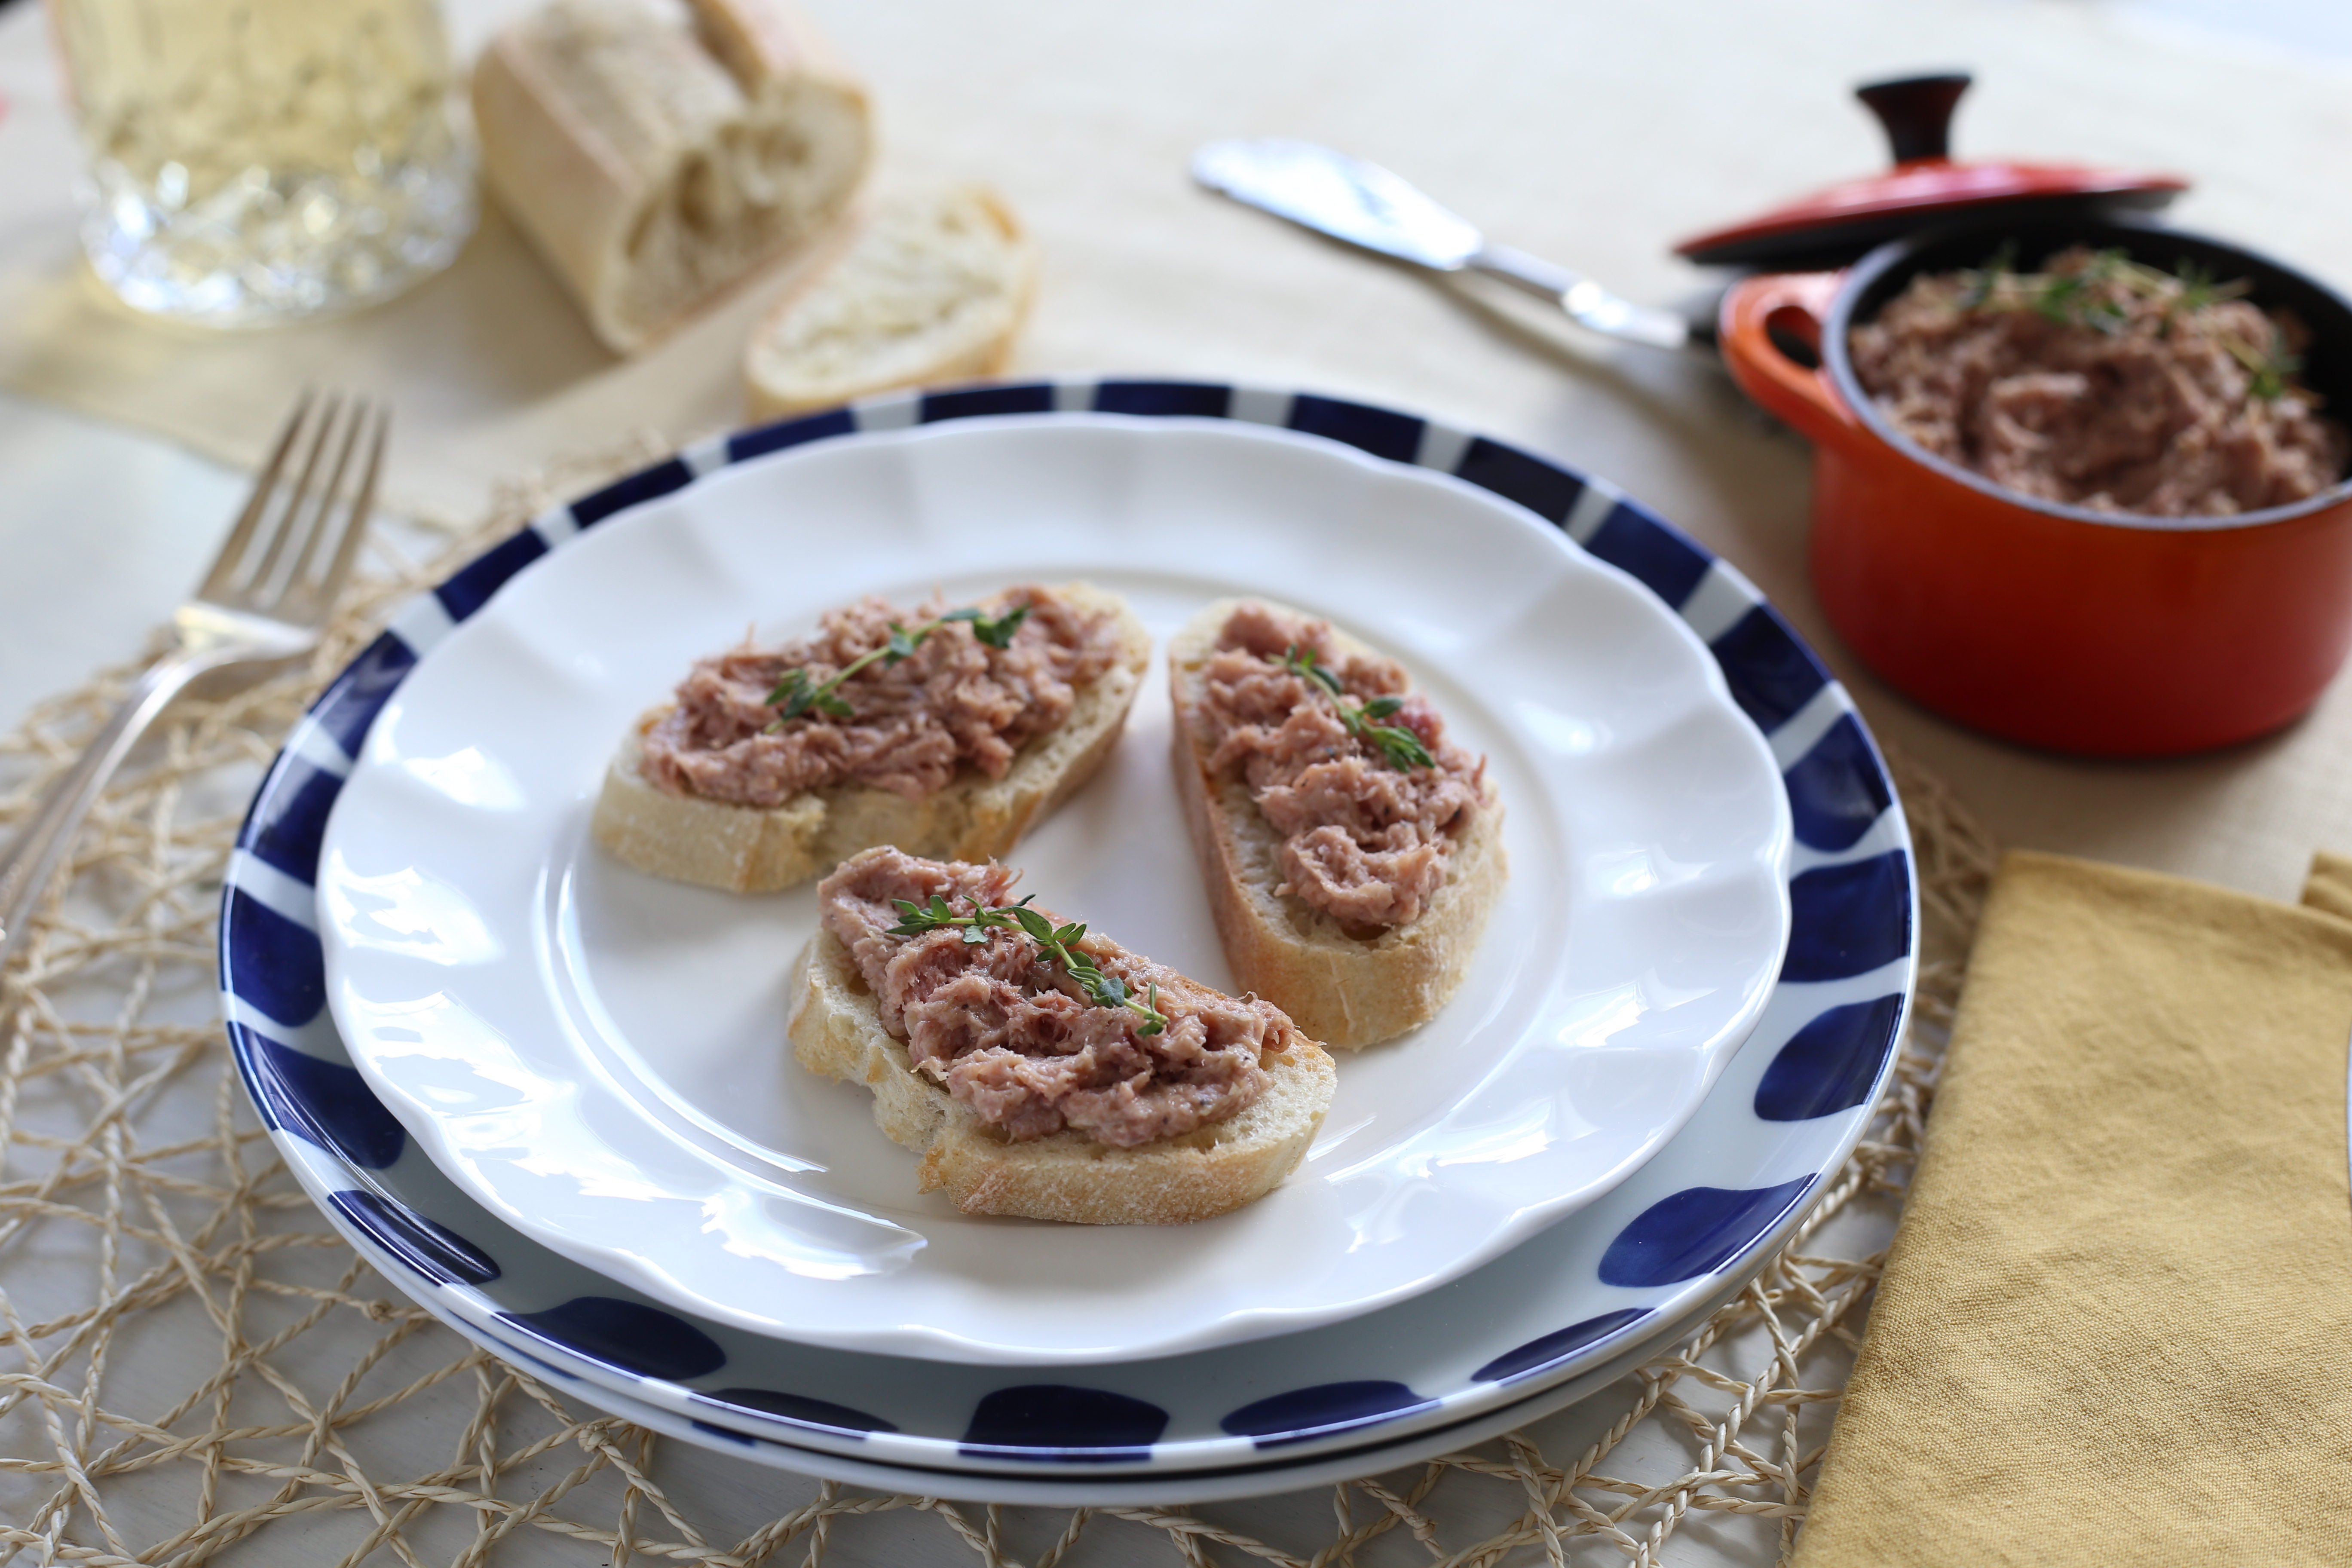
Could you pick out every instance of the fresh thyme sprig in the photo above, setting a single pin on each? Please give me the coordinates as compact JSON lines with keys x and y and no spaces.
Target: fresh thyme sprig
{"x":2079,"y":298}
{"x":795,"y":694}
{"x":1985,"y":281}
{"x":1400,"y":745}
{"x":2083,"y":298}
{"x":2198,"y":289}
{"x":2075,"y":298}
{"x":2269,"y":369}
{"x":1057,"y":944}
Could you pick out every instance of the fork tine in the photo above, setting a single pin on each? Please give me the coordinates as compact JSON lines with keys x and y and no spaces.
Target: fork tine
{"x":290,"y":522}
{"x":363,"y":513}
{"x":233,"y":548}
{"x":322,"y":536}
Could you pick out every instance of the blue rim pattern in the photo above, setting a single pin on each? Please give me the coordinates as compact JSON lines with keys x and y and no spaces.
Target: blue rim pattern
{"x":1852,"y":888}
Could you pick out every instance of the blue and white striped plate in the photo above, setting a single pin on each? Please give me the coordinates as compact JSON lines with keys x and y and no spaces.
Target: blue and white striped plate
{"x":1701,"y":1214}
{"x":1370,"y":1450}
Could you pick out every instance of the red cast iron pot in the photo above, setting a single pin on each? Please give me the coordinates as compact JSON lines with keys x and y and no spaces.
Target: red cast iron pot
{"x":2080,"y":631}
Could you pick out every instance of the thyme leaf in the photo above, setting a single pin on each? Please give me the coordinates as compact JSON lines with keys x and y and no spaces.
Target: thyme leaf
{"x":997,"y":632}
{"x":2269,"y":368}
{"x":1401,"y":748}
{"x":2199,"y":289}
{"x":1055,"y":945}
{"x":795,"y":695}
{"x":1984,"y":280}
{"x":2078,"y":299}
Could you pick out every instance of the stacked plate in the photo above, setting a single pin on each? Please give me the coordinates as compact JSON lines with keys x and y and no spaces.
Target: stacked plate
{"x":550,"y":1098}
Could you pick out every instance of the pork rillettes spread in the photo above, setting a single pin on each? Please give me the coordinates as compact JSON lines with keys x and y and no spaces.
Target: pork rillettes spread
{"x":1015,"y":1038}
{"x":1364,"y":840}
{"x":955,"y":699}
{"x":2104,"y":383}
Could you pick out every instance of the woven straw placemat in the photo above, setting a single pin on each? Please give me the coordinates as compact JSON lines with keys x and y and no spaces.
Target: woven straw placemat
{"x":193,"y":1363}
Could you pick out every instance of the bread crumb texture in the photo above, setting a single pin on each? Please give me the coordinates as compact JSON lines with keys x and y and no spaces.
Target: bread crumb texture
{"x":836,"y":1027}
{"x":933,"y":289}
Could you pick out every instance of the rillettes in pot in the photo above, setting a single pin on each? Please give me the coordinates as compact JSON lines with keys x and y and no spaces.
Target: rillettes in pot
{"x":2098,"y":633}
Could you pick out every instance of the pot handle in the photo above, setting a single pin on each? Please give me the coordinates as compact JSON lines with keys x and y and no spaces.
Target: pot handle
{"x":1794,"y":303}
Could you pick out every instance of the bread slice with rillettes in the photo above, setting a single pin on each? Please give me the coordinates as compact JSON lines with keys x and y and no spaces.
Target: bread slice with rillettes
{"x":758,"y":849}
{"x":1345,"y":989}
{"x":836,"y":1027}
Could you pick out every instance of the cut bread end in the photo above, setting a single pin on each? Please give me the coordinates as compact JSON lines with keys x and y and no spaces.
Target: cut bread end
{"x":755,"y":849}
{"x":1345,"y":991}
{"x":933,"y":289}
{"x":657,"y":165}
{"x":837,"y":1031}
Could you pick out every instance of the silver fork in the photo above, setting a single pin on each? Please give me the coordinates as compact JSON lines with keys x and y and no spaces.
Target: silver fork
{"x":264,"y":601}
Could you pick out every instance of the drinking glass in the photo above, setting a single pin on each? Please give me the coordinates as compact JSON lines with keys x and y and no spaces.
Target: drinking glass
{"x":254,"y":161}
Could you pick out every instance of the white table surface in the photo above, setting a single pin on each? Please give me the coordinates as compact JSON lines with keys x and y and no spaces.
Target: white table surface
{"x":102,"y":531}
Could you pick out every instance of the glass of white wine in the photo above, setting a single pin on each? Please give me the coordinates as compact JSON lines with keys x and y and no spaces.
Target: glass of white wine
{"x":253,"y":162}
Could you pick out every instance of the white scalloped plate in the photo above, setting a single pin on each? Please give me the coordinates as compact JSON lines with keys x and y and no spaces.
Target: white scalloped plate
{"x":597,"y":1056}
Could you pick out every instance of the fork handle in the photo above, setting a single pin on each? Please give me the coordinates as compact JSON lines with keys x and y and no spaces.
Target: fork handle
{"x":33,"y":859}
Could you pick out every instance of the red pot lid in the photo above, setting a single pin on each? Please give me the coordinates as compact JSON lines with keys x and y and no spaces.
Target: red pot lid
{"x":1832,"y":226}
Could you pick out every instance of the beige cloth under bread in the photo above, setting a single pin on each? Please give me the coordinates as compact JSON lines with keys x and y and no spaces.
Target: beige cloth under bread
{"x":2115,"y":1327}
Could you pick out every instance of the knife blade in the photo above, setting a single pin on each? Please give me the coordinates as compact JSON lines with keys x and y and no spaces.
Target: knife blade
{"x":1366,"y":205}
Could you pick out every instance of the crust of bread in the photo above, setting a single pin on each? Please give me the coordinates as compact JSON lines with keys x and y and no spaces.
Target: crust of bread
{"x":762,"y":41}
{"x":656,"y":165}
{"x":836,"y":1027}
{"x":933,"y":289}
{"x":1345,"y":991}
{"x":753,"y":849}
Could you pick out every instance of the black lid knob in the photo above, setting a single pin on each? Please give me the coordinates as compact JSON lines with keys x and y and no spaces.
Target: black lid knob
{"x":1917,"y":111}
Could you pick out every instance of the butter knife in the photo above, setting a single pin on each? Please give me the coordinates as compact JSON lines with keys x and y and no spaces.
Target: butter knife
{"x":1366,"y":205}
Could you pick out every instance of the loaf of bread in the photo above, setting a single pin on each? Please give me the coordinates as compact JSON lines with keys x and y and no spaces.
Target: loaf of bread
{"x":1344,"y":988}
{"x":933,"y":289}
{"x":751,"y":849}
{"x":836,"y":1027}
{"x":655,"y":162}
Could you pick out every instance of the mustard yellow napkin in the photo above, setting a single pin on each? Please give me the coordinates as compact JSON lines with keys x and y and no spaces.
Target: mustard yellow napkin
{"x":2115,"y":1327}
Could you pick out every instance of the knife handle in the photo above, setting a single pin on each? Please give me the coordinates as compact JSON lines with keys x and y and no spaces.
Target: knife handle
{"x":1545,"y":279}
{"x":1587,"y":303}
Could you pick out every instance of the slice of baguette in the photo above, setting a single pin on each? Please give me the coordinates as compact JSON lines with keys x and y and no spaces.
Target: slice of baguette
{"x":836,"y":1027}
{"x":752,"y":849}
{"x":656,"y":158}
{"x":1345,"y":991}
{"x":933,"y":289}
